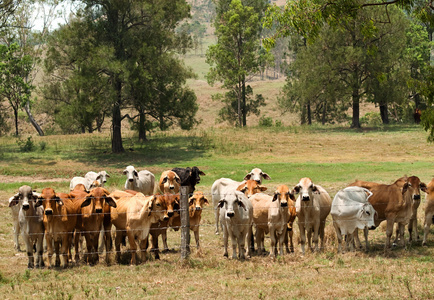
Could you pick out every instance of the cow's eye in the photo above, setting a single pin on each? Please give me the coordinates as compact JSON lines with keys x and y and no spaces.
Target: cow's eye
{"x":368,"y":213}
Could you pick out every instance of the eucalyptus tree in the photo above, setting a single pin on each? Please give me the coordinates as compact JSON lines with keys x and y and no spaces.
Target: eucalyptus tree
{"x":235,"y":57}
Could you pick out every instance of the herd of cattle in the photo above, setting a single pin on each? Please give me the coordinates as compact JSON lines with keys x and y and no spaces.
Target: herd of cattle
{"x":143,"y":209}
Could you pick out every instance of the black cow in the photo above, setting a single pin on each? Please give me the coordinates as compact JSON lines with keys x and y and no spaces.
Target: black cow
{"x":189,"y":177}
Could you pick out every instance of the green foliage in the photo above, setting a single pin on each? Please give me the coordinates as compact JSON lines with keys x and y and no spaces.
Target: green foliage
{"x":371,"y":119}
{"x":265,"y":121}
{"x":26,"y":145}
{"x":236,"y":56}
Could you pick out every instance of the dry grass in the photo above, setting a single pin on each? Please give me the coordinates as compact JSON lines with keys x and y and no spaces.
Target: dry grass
{"x":332,"y":156}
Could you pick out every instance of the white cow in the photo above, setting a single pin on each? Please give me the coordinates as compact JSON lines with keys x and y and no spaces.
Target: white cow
{"x":236,"y":217}
{"x":257,"y":175}
{"x":31,"y":223}
{"x":88,"y":184}
{"x":351,"y":210}
{"x":143,"y":181}
{"x":101,"y":177}
{"x":312,"y":206}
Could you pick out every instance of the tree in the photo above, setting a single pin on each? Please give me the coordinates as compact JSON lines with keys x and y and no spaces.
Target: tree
{"x":14,"y":68}
{"x":342,"y":67}
{"x":235,"y":56}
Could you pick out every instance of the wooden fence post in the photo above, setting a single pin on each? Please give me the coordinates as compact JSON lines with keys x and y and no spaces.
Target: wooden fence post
{"x":185,"y":224}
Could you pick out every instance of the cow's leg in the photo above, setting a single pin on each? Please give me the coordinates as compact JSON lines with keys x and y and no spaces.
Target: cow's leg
{"x":322,"y":234}
{"x":17,"y":234}
{"x":29,"y":249}
{"x":155,"y":248}
{"x":65,"y":249}
{"x":357,"y":242}
{"x":427,"y":224}
{"x":389,"y":231}
{"x":40,"y":251}
{"x":107,"y":242}
{"x":401,"y":233}
{"x":234,"y":242}
{"x":76,"y":246}
{"x":118,"y":240}
{"x":350,"y":237}
{"x":282,"y":239}
{"x":217,"y":213}
{"x":302,"y":238}
{"x":196,"y":237}
{"x":57,"y":251}
{"x":258,"y":240}
{"x":338,"y":236}
{"x":366,"y":232}
{"x":415,"y":230}
{"x":250,"y":241}
{"x":143,"y":247}
{"x":133,"y":246}
{"x":101,"y":240}
{"x":49,"y":242}
{"x":397,"y":234}
{"x":291,"y":242}
{"x":241,"y":245}
{"x":273,"y":249}
{"x":164,"y":239}
{"x":225,"y":241}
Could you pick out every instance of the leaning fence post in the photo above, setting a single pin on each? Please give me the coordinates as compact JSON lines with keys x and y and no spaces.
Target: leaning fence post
{"x":185,"y":224}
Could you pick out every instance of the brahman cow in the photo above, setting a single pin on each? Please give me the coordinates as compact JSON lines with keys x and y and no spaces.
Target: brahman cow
{"x":236,"y":217}
{"x":23,"y":193}
{"x":271,"y":214}
{"x":101,"y":177}
{"x":60,"y":219}
{"x":30,"y":222}
{"x":134,"y":215}
{"x":351,"y":210}
{"x":189,"y":177}
{"x":429,"y":210}
{"x":142,"y":181}
{"x":169,"y":182}
{"x":257,"y":175}
{"x":86,"y":182}
{"x":90,"y":221}
{"x":313,"y":206}
{"x":196,"y":204}
{"x":222,"y":185}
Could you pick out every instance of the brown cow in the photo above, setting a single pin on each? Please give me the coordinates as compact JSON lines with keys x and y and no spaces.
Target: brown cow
{"x":60,"y":218}
{"x":135,"y":215}
{"x":169,"y":182}
{"x":160,"y":228}
{"x":196,"y":204}
{"x":429,"y":210}
{"x":90,"y":220}
{"x":250,"y":187}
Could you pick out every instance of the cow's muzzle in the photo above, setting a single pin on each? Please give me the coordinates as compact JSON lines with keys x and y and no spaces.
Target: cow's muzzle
{"x":372,"y":228}
{"x":48,"y":212}
{"x":172,"y":187}
{"x":166,"y":218}
{"x":170,"y":213}
{"x":98,"y":210}
{"x":131,"y":180}
{"x":284,"y":204}
{"x":416,"y":197}
{"x":305,"y":198}
{"x":230,"y":214}
{"x":198,"y":208}
{"x":26,"y":206}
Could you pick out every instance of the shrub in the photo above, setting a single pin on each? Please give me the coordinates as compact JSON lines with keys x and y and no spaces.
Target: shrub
{"x":265,"y":122}
{"x":26,"y":146}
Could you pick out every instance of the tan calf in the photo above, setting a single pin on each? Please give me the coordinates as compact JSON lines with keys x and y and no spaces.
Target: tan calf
{"x":169,"y":182}
{"x":196,"y":204}
{"x":429,"y":210}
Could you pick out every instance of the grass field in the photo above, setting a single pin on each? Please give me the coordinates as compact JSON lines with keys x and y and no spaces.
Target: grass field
{"x":332,"y":156}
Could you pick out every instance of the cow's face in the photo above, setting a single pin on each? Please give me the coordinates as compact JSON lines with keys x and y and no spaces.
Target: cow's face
{"x":102,"y":177}
{"x":99,"y":197}
{"x":131,"y":173}
{"x":49,"y":200}
{"x":306,"y":189}
{"x":195,"y":174}
{"x":283,"y":195}
{"x":172,"y":205}
{"x":257,"y":175}
{"x":170,"y":181}
{"x":251,"y":187}
{"x":367,"y":215}
{"x":417,"y":187}
{"x":25,"y":197}
{"x":231,"y":202}
{"x":158,"y":206}
{"x":197,"y":201}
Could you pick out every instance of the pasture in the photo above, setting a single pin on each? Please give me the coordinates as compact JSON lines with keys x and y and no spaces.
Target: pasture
{"x":332,"y":156}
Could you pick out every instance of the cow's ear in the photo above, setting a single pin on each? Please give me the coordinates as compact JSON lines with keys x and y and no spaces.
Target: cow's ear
{"x":296,"y":189}
{"x":202,"y":173}
{"x":125,"y":172}
{"x":275,"y":196}
{"x":14,"y":200}
{"x":38,"y":202}
{"x":177,"y":179}
{"x":205,"y":201}
{"x":191,"y":200}
{"x":136,"y":173}
{"x":86,"y":202}
{"x":110,"y":201}
{"x":98,"y":177}
{"x":265,"y":176}
{"x":423,"y":187}
{"x":405,"y":187}
{"x":151,"y":204}
{"x":315,"y":189}
{"x":241,"y":204}
{"x":107,"y":175}
{"x":164,"y":180}
{"x":221,"y":203}
{"x":262,"y":188}
{"x":248,"y":176}
{"x":291,"y":196}
{"x":58,"y":200}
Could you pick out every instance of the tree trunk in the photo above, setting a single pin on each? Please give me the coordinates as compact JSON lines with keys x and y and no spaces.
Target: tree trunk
{"x":16,"y":121}
{"x":117,"y":146}
{"x":356,"y":109}
{"x":244,"y":108}
{"x":32,"y":119}
{"x":239,"y":96}
{"x":324,"y":112}
{"x":309,"y":114}
{"x":384,"y":113}
{"x":142,"y":127}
